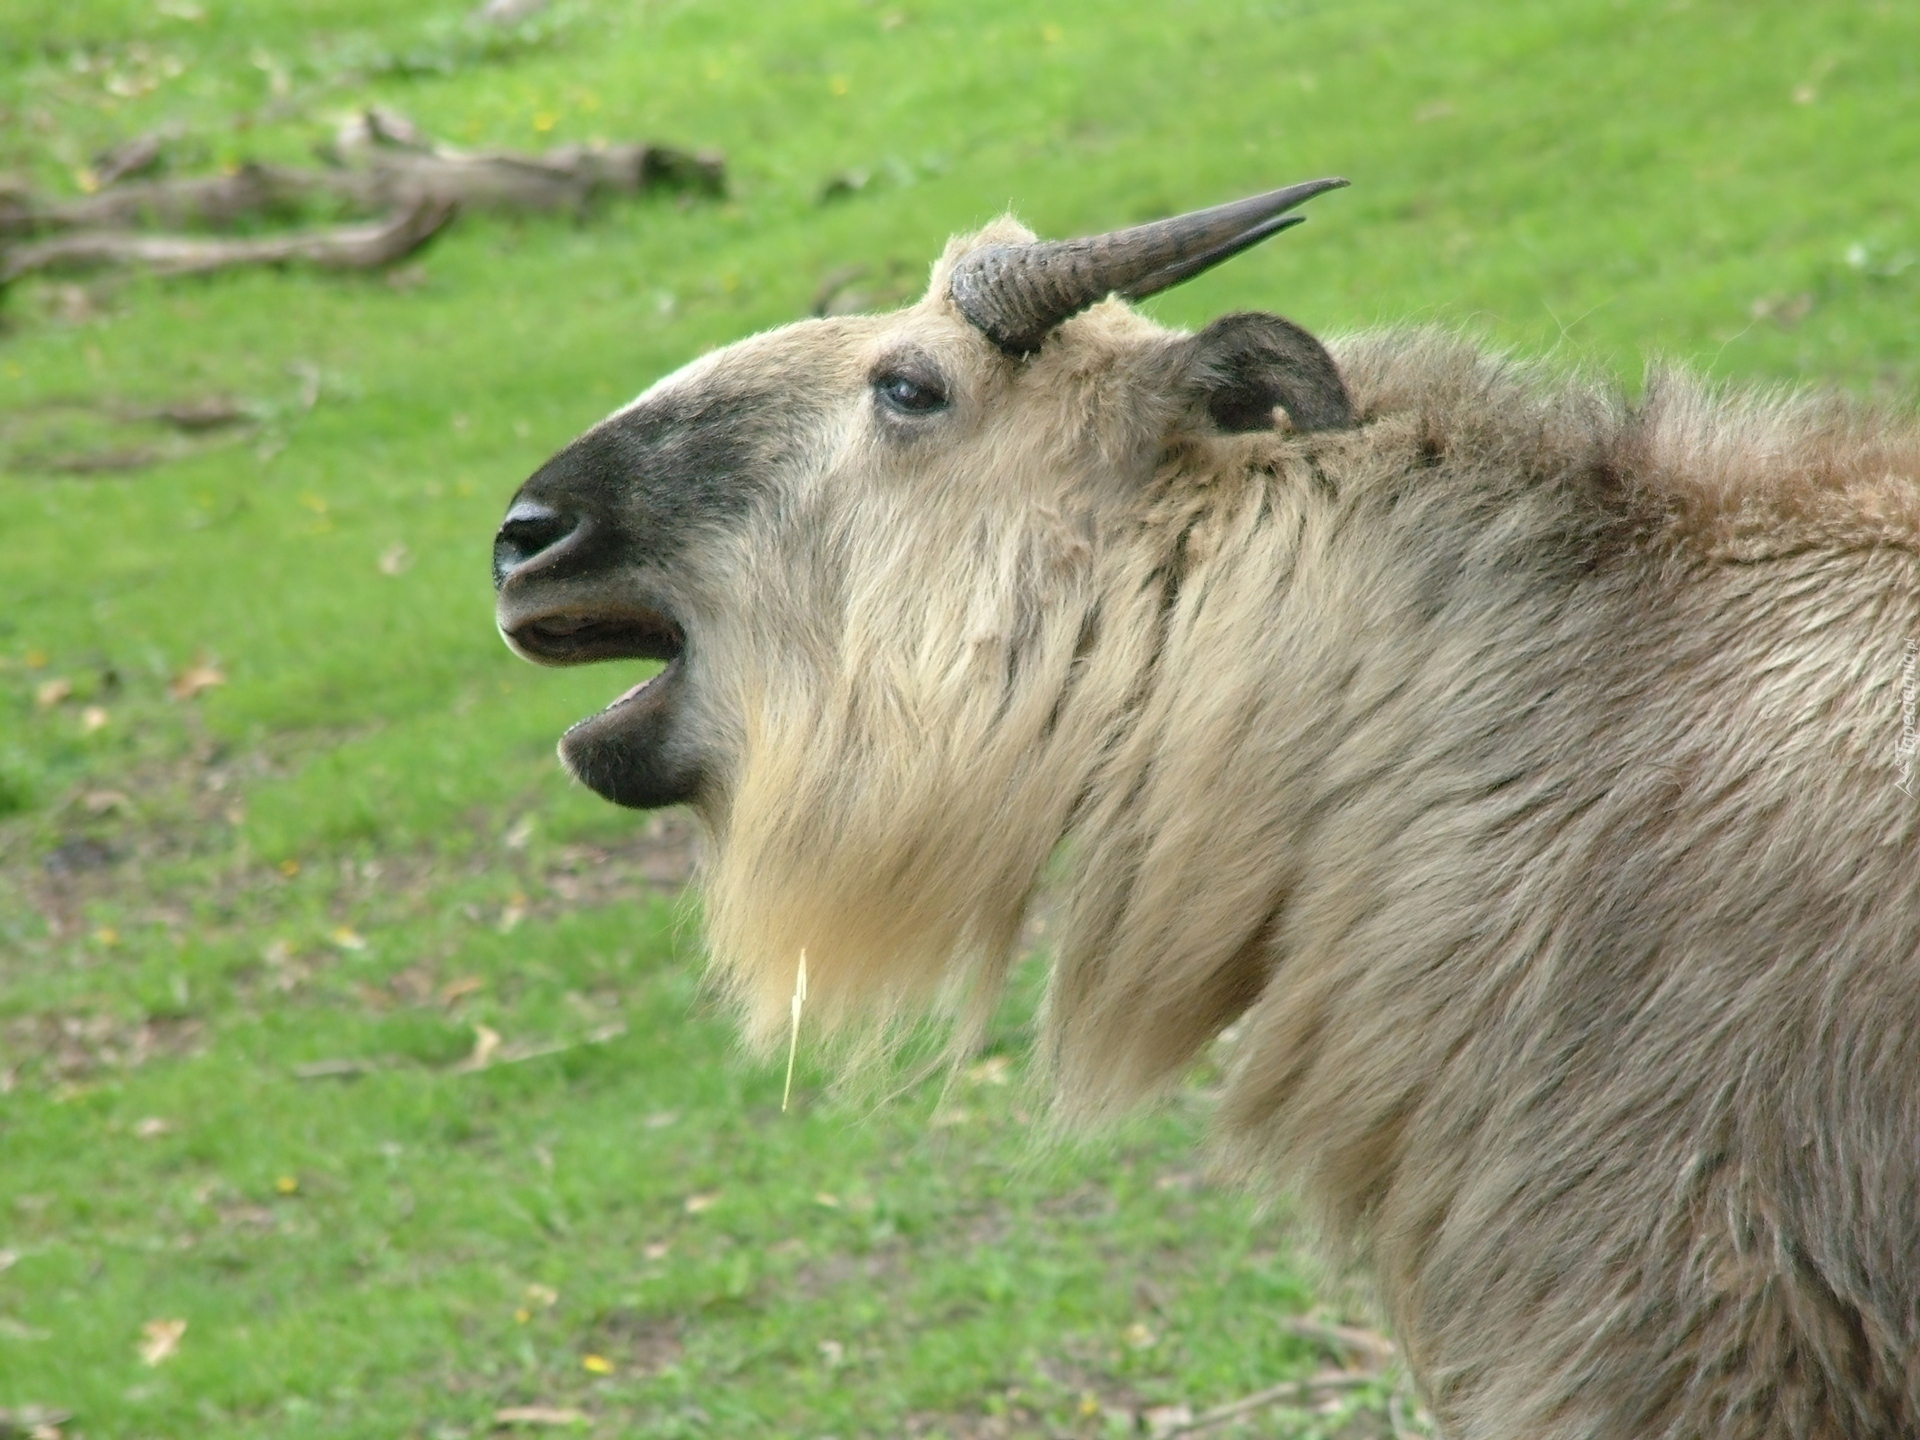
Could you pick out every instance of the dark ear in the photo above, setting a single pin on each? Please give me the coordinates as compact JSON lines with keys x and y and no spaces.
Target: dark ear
{"x":1241,"y":366}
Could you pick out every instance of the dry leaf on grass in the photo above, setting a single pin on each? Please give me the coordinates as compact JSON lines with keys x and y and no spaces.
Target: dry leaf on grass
{"x":159,"y":1339}
{"x":396,"y":559}
{"x":696,"y":1203}
{"x":486,"y":1043}
{"x":1165,"y":1419}
{"x":93,"y":718}
{"x":151,"y":1128}
{"x":202,"y":674}
{"x":50,"y":693}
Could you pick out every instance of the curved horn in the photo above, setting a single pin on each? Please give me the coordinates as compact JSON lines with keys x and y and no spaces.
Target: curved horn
{"x":1015,"y":294}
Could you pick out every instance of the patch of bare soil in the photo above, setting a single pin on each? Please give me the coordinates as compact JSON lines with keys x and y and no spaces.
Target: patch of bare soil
{"x":121,"y":846}
{"x":69,"y":1048}
{"x":158,"y":847}
{"x":875,"y":1270}
{"x":110,"y":838}
{"x":638,"y":1343}
{"x":657,"y":858}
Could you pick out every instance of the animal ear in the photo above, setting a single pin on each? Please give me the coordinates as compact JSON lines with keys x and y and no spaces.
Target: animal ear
{"x":1241,"y":366}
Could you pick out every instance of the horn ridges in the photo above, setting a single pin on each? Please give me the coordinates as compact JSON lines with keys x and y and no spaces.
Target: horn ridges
{"x":1016,"y":294}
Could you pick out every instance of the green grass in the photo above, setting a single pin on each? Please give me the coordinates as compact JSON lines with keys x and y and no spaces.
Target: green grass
{"x":358,"y":847}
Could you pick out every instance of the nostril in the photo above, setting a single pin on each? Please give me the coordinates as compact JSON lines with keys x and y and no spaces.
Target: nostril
{"x":529,"y":528}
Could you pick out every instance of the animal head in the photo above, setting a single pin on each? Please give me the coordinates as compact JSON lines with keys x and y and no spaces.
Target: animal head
{"x":876,"y":554}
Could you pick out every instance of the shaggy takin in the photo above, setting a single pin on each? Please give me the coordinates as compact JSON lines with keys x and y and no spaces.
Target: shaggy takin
{"x":1529,"y":773}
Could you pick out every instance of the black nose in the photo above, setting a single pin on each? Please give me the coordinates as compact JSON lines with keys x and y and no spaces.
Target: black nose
{"x":529,"y":529}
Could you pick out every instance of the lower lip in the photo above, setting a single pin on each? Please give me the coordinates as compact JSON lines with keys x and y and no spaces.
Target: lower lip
{"x":637,"y":691}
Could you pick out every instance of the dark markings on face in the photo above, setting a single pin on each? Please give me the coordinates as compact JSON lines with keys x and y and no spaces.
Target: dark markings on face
{"x":595,"y":560}
{"x":645,"y":481}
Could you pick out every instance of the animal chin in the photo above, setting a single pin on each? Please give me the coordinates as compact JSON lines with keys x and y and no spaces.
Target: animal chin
{"x":633,"y":752}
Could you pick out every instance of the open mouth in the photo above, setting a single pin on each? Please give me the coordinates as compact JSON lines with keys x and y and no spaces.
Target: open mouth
{"x":633,"y":751}
{"x":570,"y":638}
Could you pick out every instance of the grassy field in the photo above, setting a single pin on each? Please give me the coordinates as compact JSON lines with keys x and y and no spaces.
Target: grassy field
{"x":335,"y":1025}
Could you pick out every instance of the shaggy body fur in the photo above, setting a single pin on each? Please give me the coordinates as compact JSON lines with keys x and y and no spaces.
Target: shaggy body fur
{"x":1520,"y":767}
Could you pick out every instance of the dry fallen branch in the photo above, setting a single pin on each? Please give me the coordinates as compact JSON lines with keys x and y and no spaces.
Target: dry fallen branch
{"x":209,"y":412}
{"x":1364,"y":1349}
{"x":338,"y":247}
{"x":335,"y":1069}
{"x":216,"y":201}
{"x":1290,"y":1392}
{"x":381,"y":165}
{"x":389,"y":174}
{"x":488,"y":1052}
{"x":40,"y":436}
{"x":99,"y":462}
{"x":192,"y":414}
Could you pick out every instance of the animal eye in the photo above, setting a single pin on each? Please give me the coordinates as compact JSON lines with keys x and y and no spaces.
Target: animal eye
{"x":908,"y":395}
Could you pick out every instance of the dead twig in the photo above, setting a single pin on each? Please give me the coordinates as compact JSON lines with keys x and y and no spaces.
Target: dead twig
{"x":340,"y":247}
{"x":1287,"y":1392}
{"x":130,"y":158}
{"x":385,"y":173}
{"x":36,"y":438}
{"x":97,"y":462}
{"x":489,"y":1053}
{"x":1363,"y":1349}
{"x":335,"y":1069}
{"x":208,"y":412}
{"x":217,"y":201}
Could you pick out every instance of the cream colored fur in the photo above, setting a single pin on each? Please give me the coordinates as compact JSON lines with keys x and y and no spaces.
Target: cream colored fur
{"x":1521,"y":765}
